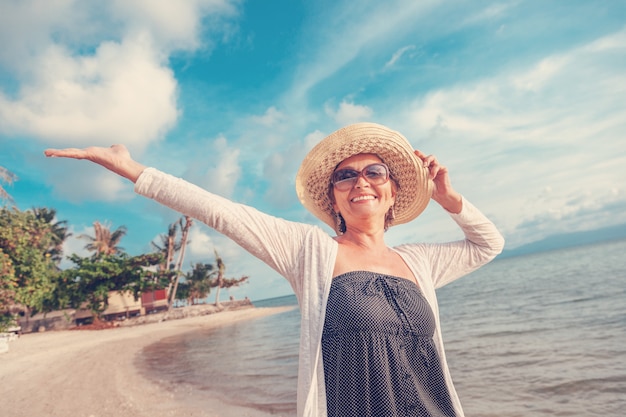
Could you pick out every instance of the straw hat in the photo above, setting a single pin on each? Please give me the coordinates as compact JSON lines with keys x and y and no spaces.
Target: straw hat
{"x":313,"y":178}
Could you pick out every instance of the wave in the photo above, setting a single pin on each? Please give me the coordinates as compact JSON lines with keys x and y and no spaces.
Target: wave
{"x":614,"y":384}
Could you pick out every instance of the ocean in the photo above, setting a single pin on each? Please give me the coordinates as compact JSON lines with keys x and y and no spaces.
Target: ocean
{"x":536,"y":335}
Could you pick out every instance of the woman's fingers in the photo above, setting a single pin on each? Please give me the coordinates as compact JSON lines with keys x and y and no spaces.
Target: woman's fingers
{"x":436,"y":172}
{"x":430,"y":162}
{"x":65,"y":153}
{"x":92,"y":153}
{"x":443,"y":192}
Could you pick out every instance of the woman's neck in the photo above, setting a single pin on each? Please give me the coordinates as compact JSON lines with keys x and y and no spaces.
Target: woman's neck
{"x":372,"y":239}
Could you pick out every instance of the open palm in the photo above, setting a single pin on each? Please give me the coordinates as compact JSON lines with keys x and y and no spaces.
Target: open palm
{"x":115,"y":158}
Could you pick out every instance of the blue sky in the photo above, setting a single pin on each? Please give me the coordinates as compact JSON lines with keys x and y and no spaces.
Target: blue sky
{"x":524,"y":101}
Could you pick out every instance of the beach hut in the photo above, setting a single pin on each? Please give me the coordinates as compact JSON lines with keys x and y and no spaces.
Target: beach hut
{"x":154,"y":301}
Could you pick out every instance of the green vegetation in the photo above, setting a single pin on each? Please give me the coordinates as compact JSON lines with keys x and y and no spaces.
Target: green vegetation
{"x":29,"y":273}
{"x":31,"y":281}
{"x":92,"y":278}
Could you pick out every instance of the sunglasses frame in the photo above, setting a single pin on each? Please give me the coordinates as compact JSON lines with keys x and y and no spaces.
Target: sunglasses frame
{"x":351,"y":181}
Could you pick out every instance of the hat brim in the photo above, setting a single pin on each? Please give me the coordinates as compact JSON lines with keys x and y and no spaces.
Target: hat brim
{"x":407,"y":169}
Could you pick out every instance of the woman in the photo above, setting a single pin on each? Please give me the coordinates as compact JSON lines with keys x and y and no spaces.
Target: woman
{"x":370,"y":340}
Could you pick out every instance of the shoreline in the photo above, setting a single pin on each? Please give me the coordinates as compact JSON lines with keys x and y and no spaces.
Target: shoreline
{"x":92,"y":373}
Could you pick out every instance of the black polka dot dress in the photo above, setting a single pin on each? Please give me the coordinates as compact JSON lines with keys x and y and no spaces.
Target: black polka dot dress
{"x":379,"y":356}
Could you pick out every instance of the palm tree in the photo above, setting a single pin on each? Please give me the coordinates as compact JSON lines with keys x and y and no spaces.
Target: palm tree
{"x":58,"y":229}
{"x":181,"y":255}
{"x":198,"y":282}
{"x":8,"y":177}
{"x":168,"y":246}
{"x":221,"y":267}
{"x":104,"y":242}
{"x":221,"y":282}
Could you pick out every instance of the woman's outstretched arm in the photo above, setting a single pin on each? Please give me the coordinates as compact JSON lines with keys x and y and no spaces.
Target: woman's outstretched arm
{"x":277,"y":242}
{"x":116,"y":159}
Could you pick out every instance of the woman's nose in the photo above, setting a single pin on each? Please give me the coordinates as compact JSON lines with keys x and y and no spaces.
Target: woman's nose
{"x":361,"y":181}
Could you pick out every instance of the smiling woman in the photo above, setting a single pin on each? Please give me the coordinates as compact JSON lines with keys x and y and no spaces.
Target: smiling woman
{"x":371,"y":341}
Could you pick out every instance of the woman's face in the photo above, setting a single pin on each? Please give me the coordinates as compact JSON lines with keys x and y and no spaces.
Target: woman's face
{"x":363,"y":200}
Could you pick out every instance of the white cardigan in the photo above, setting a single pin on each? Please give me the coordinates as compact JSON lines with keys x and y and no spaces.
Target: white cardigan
{"x":305,"y":256}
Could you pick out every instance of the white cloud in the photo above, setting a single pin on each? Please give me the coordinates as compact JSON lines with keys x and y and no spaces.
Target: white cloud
{"x":25,"y":35}
{"x":223,"y":170}
{"x":75,"y":245}
{"x":121,"y":93}
{"x":200,"y":246}
{"x":174,"y":25}
{"x":264,"y":282}
{"x":96,"y":73}
{"x":354,"y":27}
{"x":562,"y":99}
{"x":81,"y":181}
{"x":555,"y":125}
{"x":348,"y":113}
{"x":397,"y":55}
{"x":313,"y":139}
{"x":279,"y":171}
{"x":271,"y":118}
{"x":81,"y":26}
{"x":571,"y":211}
{"x":491,"y":12}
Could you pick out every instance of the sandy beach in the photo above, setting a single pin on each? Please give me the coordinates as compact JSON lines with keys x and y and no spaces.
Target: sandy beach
{"x":91,"y":373}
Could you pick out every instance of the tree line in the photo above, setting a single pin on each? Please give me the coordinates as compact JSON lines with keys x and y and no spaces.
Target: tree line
{"x":31,"y":280}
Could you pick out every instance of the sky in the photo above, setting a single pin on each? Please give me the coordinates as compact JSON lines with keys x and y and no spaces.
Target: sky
{"x":523,"y":101}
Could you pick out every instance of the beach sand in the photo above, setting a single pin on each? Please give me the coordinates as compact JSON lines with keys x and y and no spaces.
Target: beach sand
{"x":91,"y":373}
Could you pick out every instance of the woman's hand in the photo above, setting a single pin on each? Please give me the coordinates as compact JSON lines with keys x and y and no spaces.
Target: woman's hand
{"x":116,"y":159}
{"x":443,"y":193}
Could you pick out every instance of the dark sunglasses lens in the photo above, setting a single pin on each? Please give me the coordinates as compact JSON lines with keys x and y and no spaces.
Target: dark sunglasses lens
{"x":344,"y":175}
{"x":376,"y":173}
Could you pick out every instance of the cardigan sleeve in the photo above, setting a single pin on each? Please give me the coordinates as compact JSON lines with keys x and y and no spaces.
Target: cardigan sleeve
{"x":445,"y":262}
{"x":275,"y":241}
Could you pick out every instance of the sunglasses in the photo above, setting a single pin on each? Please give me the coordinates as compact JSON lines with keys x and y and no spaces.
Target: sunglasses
{"x":375,"y":174}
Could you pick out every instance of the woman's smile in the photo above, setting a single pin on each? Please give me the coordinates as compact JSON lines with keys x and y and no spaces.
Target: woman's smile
{"x":363,"y":198}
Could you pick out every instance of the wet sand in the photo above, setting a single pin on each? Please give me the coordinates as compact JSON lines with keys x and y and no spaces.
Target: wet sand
{"x":91,"y":373}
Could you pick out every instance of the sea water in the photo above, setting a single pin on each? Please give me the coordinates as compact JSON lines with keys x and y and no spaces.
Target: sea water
{"x":535,"y":335}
